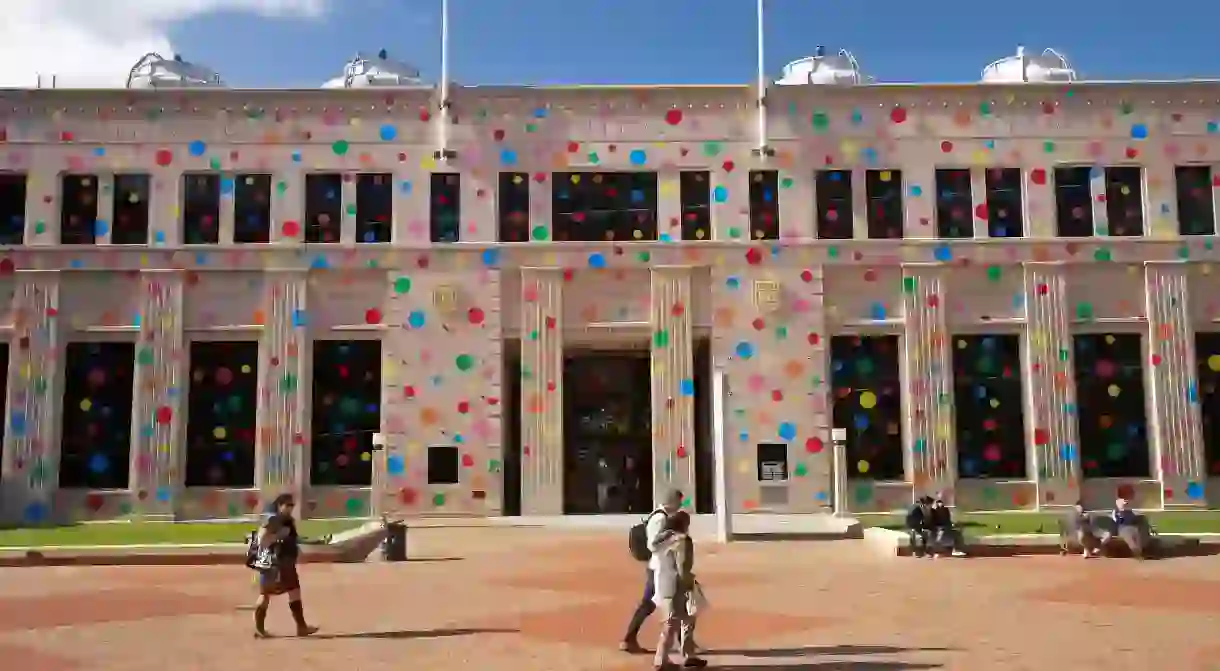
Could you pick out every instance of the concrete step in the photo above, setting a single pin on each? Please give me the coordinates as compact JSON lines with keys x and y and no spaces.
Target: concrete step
{"x":752,"y":526}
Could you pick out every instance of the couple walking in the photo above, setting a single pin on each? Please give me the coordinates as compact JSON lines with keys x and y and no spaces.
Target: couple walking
{"x":663,"y":540}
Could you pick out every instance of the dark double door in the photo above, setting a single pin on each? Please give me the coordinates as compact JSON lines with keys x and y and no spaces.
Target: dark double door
{"x":607,"y":432}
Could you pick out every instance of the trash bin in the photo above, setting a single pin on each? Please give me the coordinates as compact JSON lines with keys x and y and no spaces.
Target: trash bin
{"x":394,"y":547}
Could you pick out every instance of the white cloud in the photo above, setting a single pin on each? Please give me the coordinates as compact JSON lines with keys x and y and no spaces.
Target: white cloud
{"x":95,"y":42}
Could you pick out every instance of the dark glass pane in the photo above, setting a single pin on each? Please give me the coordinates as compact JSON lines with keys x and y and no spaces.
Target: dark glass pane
{"x":78,"y":210}
{"x":885,"y":211}
{"x":252,"y":209}
{"x":1196,"y":205}
{"x":954,"y":206}
{"x":989,"y":406}
{"x":834,"y":202}
{"x":222,"y":413}
{"x":1111,"y":408}
{"x":1005,"y":203}
{"x":95,"y":436}
{"x":867,"y":398}
{"x":1074,"y":202}
{"x":1125,"y":201}
{"x":695,"y":191}
{"x":374,"y":207}
{"x":346,"y":411}
{"x":323,"y":207}
{"x":513,"y":201}
{"x":600,"y":206}
{"x":445,"y":207}
{"x":131,"y":214}
{"x":13,"y":192}
{"x":764,"y":204}
{"x":201,"y":208}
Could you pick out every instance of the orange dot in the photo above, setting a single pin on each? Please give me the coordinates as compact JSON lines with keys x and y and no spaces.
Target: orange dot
{"x":428,"y":416}
{"x":533,"y":404}
{"x":794,"y":368}
{"x":724,"y":317}
{"x":259,"y":318}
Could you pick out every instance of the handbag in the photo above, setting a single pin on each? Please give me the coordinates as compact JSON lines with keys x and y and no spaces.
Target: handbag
{"x":259,"y":558}
{"x":696,"y":601}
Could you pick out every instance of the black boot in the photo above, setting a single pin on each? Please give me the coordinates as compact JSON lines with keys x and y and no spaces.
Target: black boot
{"x":298,"y":616}
{"x":260,"y":621}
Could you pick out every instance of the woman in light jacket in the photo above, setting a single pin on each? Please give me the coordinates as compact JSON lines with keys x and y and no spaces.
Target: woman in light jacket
{"x":674,"y":578}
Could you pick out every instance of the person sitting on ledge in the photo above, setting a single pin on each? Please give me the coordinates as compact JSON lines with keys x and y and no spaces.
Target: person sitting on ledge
{"x":1078,"y":530}
{"x":919,"y":526}
{"x":944,"y":534}
{"x":1129,"y":526}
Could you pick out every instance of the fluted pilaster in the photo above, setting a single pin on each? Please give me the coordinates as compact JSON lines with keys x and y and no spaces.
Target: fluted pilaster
{"x":1055,"y":458}
{"x":932,"y":456}
{"x":541,"y":391}
{"x":31,"y":444}
{"x":1176,"y":421}
{"x":281,"y":457}
{"x":673,"y":383}
{"x":156,"y":457}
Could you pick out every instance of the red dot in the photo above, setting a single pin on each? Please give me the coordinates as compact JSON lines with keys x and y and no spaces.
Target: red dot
{"x":813,"y":338}
{"x":898,"y":115}
{"x":467,"y":460}
{"x":728,"y":166}
{"x":165,"y":414}
{"x":463,"y":407}
{"x":573,"y":147}
{"x":290,"y":229}
{"x":946,"y":146}
{"x":673,"y":117}
{"x":759,"y":324}
{"x":1037,"y":176}
{"x":813,"y":445}
{"x":806,"y":275}
{"x":164,"y":157}
{"x":474,"y":316}
{"x":1041,"y":436}
{"x":753,"y":257}
{"x":372,"y":316}
{"x":408,"y":391}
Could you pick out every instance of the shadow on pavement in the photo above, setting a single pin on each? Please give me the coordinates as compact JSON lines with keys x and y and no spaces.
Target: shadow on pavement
{"x":842,"y":650}
{"x":826,"y":666}
{"x":406,"y":634}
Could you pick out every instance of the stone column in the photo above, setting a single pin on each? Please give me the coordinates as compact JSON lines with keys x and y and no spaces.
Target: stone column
{"x":1051,"y":387}
{"x":282,"y":457}
{"x":673,"y":384}
{"x":31,"y":443}
{"x":1179,"y":458}
{"x":158,"y":457}
{"x":541,"y":391}
{"x":932,"y":455}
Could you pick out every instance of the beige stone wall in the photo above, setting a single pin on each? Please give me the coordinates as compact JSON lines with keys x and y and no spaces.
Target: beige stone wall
{"x":770,"y":308}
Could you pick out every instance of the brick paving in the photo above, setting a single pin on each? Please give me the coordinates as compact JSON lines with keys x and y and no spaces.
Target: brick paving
{"x":532,"y":599}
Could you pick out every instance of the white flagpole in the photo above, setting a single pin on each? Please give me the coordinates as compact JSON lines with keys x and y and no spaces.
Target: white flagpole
{"x":443,"y":131}
{"x":762,"y":81}
{"x":724,"y":513}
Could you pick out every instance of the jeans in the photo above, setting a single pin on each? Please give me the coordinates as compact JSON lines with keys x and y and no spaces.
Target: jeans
{"x":947,"y":537}
{"x":645,"y":608}
{"x":918,"y":539}
{"x":679,"y":624}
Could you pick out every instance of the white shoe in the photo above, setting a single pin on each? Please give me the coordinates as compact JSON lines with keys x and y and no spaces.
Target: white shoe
{"x":959,"y":553}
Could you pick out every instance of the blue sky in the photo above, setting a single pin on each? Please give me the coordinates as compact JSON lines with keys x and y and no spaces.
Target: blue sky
{"x":706,"y":41}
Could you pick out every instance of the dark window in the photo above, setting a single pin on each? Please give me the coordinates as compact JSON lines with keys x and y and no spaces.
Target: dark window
{"x":374,"y":207}
{"x":772,"y":461}
{"x":443,"y":465}
{"x":323,"y":207}
{"x":252,"y":209}
{"x":1005,"y":203}
{"x":222,"y":409}
{"x":13,"y":188}
{"x":1207,"y":352}
{"x":1110,"y":405}
{"x":835,"y":215}
{"x":989,"y":406}
{"x":764,"y":204}
{"x":3,"y":390}
{"x":96,"y":431}
{"x":513,"y":200}
{"x":445,"y":208}
{"x":954,"y":206}
{"x":131,"y":214}
{"x":201,"y":208}
{"x":1125,"y":201}
{"x":599,"y":206}
{"x":695,"y":192}
{"x":1196,"y":208}
{"x":884,"y":191}
{"x":78,"y":210}
{"x":867,"y":392}
{"x":346,"y":411}
{"x":1074,"y":202}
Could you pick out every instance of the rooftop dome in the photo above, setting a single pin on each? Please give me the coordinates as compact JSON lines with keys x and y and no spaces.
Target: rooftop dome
{"x":363,"y":71}
{"x":153,"y":71}
{"x":1050,"y":66}
{"x":822,"y":69}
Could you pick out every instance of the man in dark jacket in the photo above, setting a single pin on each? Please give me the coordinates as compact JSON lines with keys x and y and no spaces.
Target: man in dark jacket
{"x":1078,"y":529}
{"x":919,"y":526}
{"x":1129,"y":526}
{"x":944,"y":534}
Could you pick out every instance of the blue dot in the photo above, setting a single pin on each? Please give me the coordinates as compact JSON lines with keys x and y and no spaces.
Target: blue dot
{"x":416,"y":319}
{"x":296,"y":157}
{"x":35,"y":512}
{"x":159,"y":236}
{"x":720,"y":194}
{"x":163,"y":492}
{"x":387,"y":133}
{"x":395,"y":465}
{"x":299,"y":318}
{"x":916,"y":191}
{"x":1213,"y":127}
{"x":877,"y":311}
{"x":16,"y":423}
{"x":405,"y":188}
{"x":100,"y":228}
{"x":687,"y":387}
{"x":637,"y":157}
{"x":508,"y":157}
{"x":197,"y":148}
{"x":1194,"y":490}
{"x":1139,"y":132}
{"x":319,"y":262}
{"x":596,"y":260}
{"x":1067,"y":452}
{"x":744,"y":350}
{"x":491,"y":257}
{"x":920,"y":446}
{"x":226,"y":185}
{"x":99,"y":151}
{"x":943,"y":253}
{"x":732,"y":283}
{"x":98,"y":463}
{"x":787,"y":431}
{"x":540,"y":113}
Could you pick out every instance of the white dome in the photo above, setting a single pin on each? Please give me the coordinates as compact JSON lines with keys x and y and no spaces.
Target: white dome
{"x":363,"y":71}
{"x":153,"y":71}
{"x":1050,"y":66}
{"x":822,"y":69}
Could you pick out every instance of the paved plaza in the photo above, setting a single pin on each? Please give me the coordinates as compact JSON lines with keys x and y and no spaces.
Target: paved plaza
{"x":505,"y":599}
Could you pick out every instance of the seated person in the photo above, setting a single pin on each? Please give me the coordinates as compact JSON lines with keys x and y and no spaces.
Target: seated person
{"x":1129,"y":526}
{"x":944,"y":534}
{"x":1078,"y":530}
{"x":919,"y":526}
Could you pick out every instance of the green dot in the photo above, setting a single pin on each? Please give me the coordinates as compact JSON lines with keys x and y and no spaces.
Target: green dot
{"x":801,"y":471}
{"x":533,"y":335}
{"x":281,"y":187}
{"x":821,"y":122}
{"x":402,"y":285}
{"x":493,"y":466}
{"x":594,"y":158}
{"x":734,"y":232}
{"x":643,"y":257}
{"x":984,"y":108}
{"x":1048,"y":147}
{"x":288,"y":383}
{"x":144,"y":357}
{"x":531,"y":128}
{"x":40,"y":227}
{"x":539,"y":233}
{"x":660,"y":339}
{"x":1102,"y":254}
{"x":351,"y":210}
{"x":340,"y":147}
{"x":786,"y":183}
{"x":438,"y":499}
{"x":908,"y":285}
{"x":354,"y":506}
{"x":994,"y":273}
{"x":1084,"y":311}
{"x":781,"y":333}
{"x":1183,"y":252}
{"x":214,"y":164}
{"x":832,"y":252}
{"x":1063,"y":354}
{"x":711,"y":148}
{"x":464,"y":362}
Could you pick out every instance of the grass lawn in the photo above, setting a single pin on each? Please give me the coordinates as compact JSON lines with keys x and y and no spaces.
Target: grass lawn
{"x":154,"y":533}
{"x":991,"y":524}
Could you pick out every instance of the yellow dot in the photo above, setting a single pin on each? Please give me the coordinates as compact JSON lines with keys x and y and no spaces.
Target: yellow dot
{"x":1213,"y":362}
{"x":364,"y":456}
{"x":862,"y":466}
{"x":219,"y":433}
{"x":868,"y":399}
{"x":1113,"y":390}
{"x":995,"y":402}
{"x":85,"y":404}
{"x":245,"y":368}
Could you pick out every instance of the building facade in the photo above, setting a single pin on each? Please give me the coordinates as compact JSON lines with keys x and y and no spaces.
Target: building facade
{"x":1003,"y":293}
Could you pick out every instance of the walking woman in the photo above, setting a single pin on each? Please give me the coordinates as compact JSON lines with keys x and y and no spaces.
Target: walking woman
{"x":279,"y":535}
{"x":675,"y":586}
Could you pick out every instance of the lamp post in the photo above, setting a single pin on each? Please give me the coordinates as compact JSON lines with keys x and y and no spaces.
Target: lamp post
{"x":724,"y":514}
{"x":838,"y":438}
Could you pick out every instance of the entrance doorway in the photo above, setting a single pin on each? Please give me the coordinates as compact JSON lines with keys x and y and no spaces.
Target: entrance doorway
{"x":511,"y":423}
{"x":607,"y":431}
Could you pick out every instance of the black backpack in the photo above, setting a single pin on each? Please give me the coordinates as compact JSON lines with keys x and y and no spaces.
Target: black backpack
{"x":637,"y":539}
